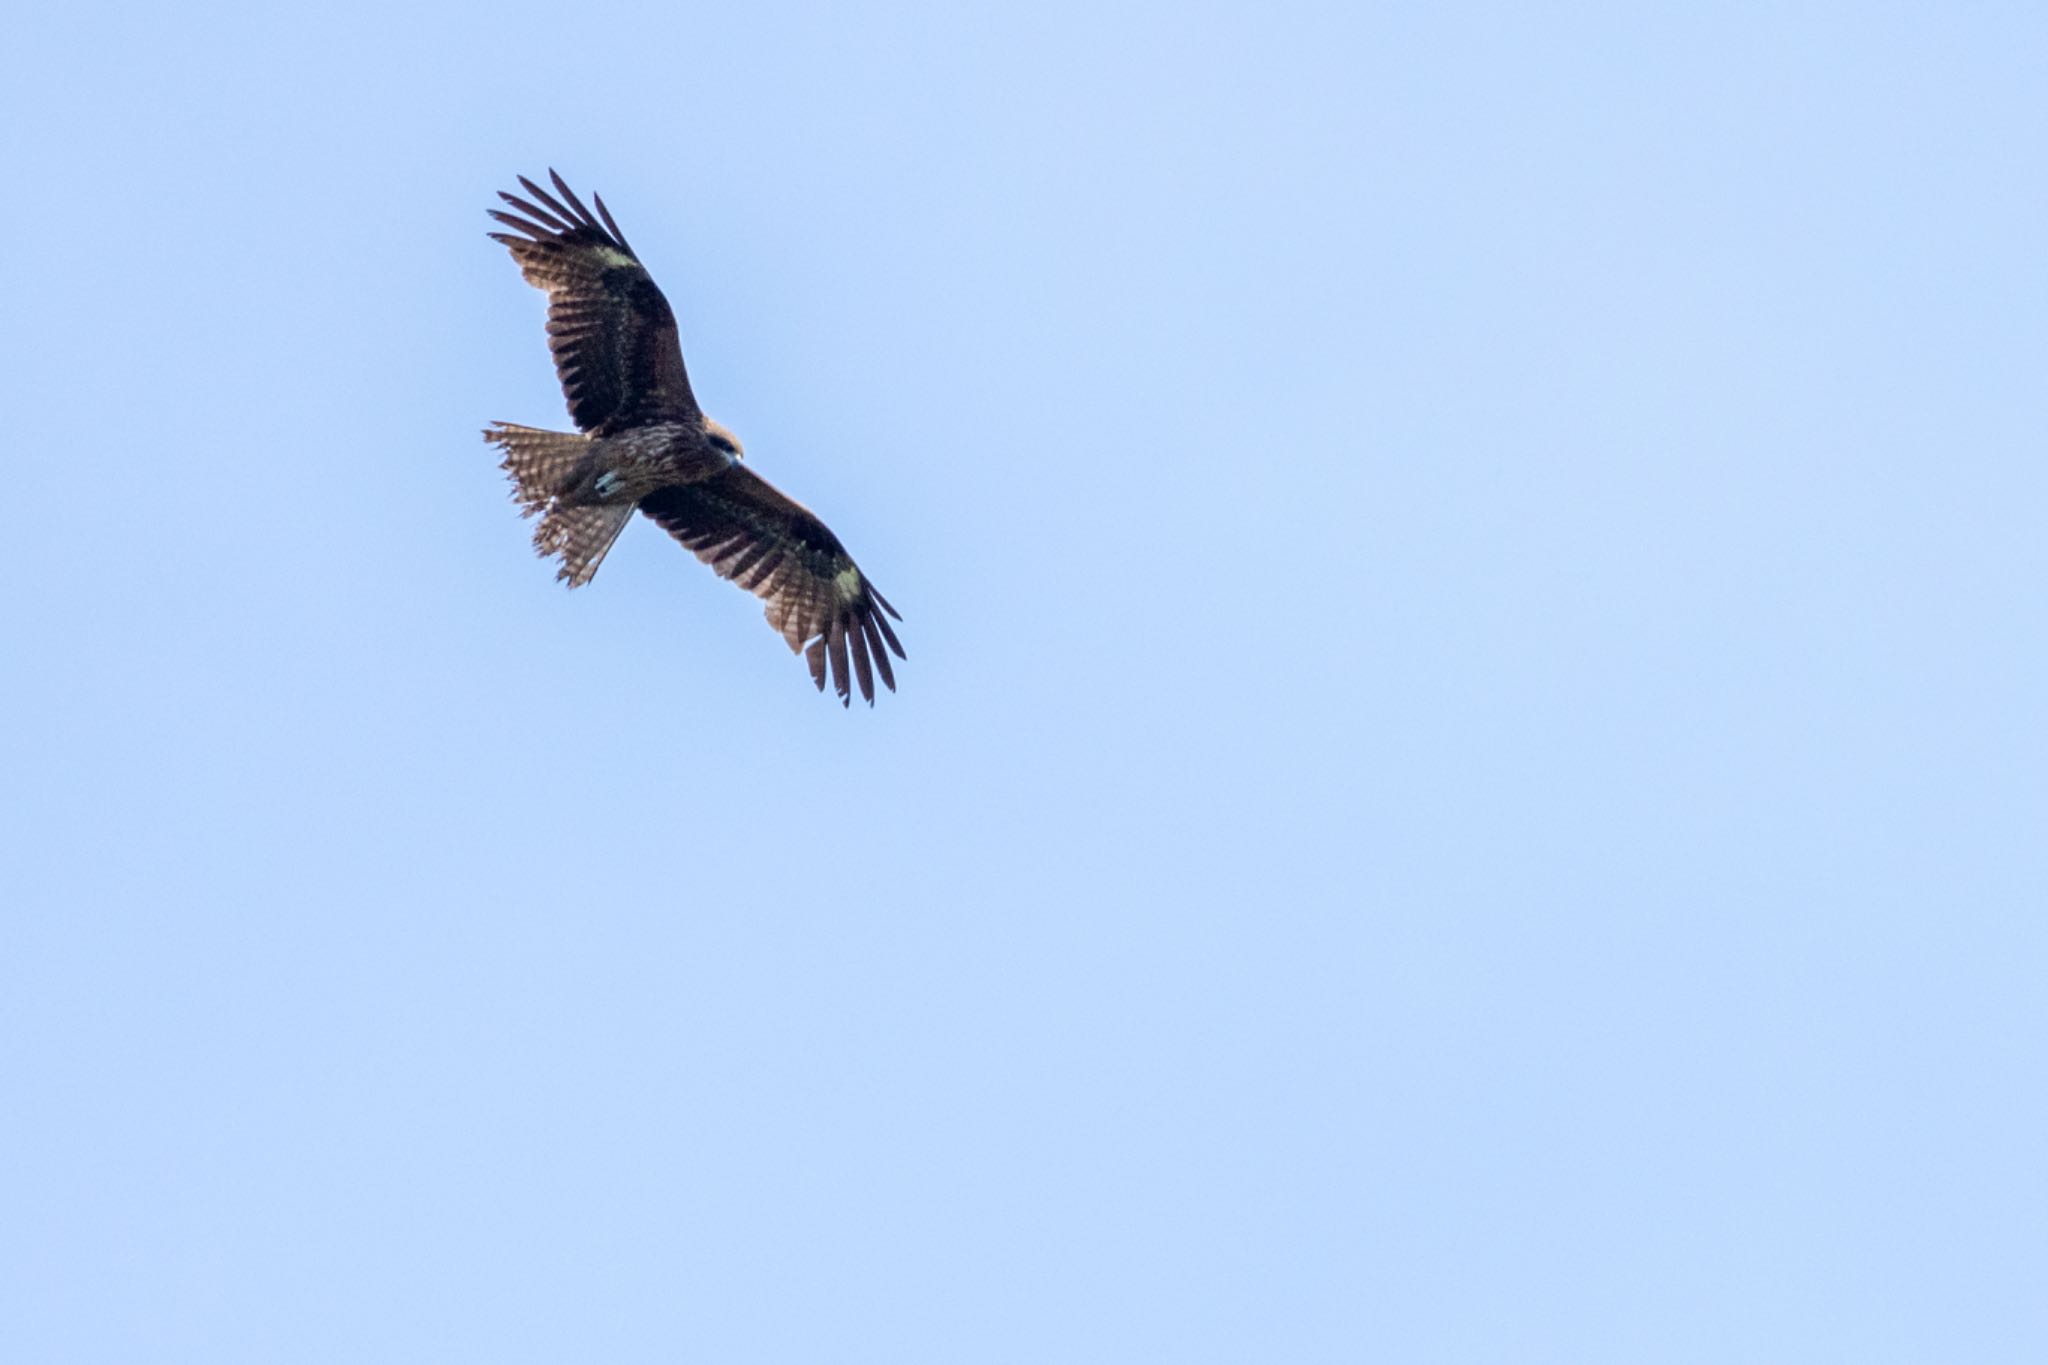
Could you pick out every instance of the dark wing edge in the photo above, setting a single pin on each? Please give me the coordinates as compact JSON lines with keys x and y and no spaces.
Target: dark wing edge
{"x":611,"y":331}
{"x":817,"y":598}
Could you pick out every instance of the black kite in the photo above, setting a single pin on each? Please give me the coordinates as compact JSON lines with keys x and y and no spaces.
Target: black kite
{"x":644,"y":443}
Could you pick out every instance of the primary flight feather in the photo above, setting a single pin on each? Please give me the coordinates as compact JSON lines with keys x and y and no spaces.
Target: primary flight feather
{"x":642,"y":442}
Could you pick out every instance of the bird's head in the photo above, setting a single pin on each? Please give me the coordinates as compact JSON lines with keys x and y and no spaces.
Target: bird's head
{"x":721,"y":439}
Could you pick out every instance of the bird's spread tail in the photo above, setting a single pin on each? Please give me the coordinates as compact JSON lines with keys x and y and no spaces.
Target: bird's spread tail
{"x":581,"y":536}
{"x":541,"y":463}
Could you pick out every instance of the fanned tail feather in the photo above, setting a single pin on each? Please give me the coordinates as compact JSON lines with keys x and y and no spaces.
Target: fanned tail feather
{"x":581,"y":536}
{"x":541,"y":463}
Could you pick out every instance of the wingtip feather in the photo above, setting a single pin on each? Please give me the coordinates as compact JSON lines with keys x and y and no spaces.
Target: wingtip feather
{"x":863,"y":667}
{"x":874,"y":638}
{"x":835,"y":645}
{"x":606,"y":214}
{"x":534,"y":211}
{"x":583,"y":215}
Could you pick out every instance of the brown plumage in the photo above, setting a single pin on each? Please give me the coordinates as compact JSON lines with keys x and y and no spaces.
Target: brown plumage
{"x":644,"y":443}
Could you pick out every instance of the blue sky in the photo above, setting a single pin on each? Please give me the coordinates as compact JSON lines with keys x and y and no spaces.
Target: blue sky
{"x":1468,"y":786}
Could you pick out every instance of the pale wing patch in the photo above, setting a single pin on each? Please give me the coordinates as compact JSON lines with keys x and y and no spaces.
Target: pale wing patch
{"x":848,"y":583}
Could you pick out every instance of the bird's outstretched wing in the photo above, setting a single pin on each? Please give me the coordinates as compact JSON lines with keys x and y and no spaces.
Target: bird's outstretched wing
{"x":771,"y":545}
{"x":612,"y":333}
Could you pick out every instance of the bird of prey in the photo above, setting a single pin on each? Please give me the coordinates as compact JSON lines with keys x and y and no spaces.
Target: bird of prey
{"x":642,"y":442}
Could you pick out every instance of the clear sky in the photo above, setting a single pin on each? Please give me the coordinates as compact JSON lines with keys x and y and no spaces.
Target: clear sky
{"x":1469,"y":784}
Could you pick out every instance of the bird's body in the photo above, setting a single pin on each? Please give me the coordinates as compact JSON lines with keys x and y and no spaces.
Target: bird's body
{"x":626,"y":467}
{"x":643,"y":444}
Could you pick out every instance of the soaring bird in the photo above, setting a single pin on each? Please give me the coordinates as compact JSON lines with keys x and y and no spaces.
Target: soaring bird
{"x":642,"y":441}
